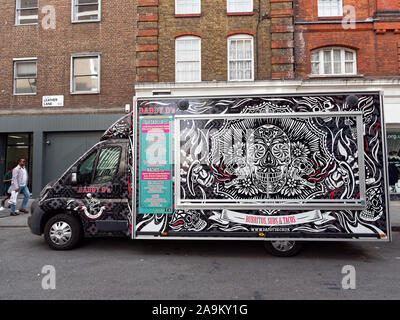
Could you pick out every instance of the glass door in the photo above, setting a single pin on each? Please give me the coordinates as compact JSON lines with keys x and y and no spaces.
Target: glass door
{"x":19,"y":145}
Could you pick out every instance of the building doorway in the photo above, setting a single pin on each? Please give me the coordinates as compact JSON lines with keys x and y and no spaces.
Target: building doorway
{"x":19,"y":145}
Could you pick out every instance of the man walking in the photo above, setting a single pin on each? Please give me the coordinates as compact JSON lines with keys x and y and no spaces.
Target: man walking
{"x":19,"y":184}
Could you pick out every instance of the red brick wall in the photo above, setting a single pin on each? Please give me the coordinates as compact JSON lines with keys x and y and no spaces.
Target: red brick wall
{"x":282,"y":39}
{"x":307,"y":10}
{"x":114,"y":37}
{"x":147,"y":46}
{"x":376,"y":43}
{"x":387,"y":4}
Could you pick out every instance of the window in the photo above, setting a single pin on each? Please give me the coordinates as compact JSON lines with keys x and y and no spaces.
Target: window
{"x":240,"y":62}
{"x":239,"y":6}
{"x":393,"y":147}
{"x":187,"y":59}
{"x":330,"y":8}
{"x":26,"y":12}
{"x":107,"y":165}
{"x":333,"y":61}
{"x":85,"y":74}
{"x":86,"y":10}
{"x":85,"y":169}
{"x":187,"y":7}
{"x":25,"y":74}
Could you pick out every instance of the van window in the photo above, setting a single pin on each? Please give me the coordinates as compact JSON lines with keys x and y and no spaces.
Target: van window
{"x":86,"y":169}
{"x":107,"y":165}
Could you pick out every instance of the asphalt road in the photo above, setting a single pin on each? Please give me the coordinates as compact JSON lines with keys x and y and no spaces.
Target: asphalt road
{"x":126,"y":269}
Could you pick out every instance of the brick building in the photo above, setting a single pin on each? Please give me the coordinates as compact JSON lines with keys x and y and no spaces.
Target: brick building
{"x":347,"y":38}
{"x":79,"y":57}
{"x":353,"y":45}
{"x":214,"y":40}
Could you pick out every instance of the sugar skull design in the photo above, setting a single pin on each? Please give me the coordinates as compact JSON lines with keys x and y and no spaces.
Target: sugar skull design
{"x":374,"y":208}
{"x":269,"y":151}
{"x":187,"y":220}
{"x":259,"y":159}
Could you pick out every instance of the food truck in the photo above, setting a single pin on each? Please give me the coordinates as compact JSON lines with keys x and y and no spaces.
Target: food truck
{"x":282,"y":169}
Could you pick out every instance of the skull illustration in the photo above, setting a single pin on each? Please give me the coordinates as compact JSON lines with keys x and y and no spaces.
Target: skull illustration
{"x":193,"y":222}
{"x":300,"y":168}
{"x":351,"y":123}
{"x":91,"y":201}
{"x":201,"y":176}
{"x":187,"y":220}
{"x":374,"y":208}
{"x":269,"y":151}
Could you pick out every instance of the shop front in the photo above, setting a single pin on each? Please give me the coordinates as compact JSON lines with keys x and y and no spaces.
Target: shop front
{"x":393,"y":146}
{"x":49,"y":145}
{"x":18,"y":146}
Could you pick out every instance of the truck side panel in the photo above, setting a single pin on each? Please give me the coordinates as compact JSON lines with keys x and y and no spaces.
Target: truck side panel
{"x":231,"y":189}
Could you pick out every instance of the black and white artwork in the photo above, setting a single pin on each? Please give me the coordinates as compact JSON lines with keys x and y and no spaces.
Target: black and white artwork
{"x":268,"y":159}
{"x":228,"y":154}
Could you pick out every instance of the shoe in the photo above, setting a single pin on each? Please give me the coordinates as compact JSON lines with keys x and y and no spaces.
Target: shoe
{"x":14,"y":214}
{"x":23,"y":211}
{"x":1,"y":208}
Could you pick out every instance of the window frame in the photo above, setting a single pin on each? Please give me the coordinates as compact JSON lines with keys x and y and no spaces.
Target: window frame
{"x":72,"y":72}
{"x":327,"y":16}
{"x":240,"y":37}
{"x":321,"y":61}
{"x":98,"y":159}
{"x":74,"y":18}
{"x":23,"y":60}
{"x":176,"y":58}
{"x":18,"y":9}
{"x":229,"y":6}
{"x":94,"y":152}
{"x":187,"y":13}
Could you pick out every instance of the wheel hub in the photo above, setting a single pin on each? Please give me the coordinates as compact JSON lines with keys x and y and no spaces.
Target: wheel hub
{"x":60,"y":232}
{"x":283,"y":245}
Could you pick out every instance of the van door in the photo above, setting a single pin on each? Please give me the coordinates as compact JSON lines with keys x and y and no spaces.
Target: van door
{"x":101,"y":190}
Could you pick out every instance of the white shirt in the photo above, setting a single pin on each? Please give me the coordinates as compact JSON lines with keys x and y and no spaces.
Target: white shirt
{"x":24,"y":179}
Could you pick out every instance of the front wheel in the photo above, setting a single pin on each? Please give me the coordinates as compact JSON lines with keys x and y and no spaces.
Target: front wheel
{"x":283,"y":248}
{"x":63,"y":232}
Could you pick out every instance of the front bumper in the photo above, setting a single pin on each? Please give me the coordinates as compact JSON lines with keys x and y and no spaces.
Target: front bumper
{"x":34,"y":220}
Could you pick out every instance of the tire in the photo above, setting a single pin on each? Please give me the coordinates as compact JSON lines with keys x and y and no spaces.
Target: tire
{"x":63,"y":232}
{"x":282,"y":248}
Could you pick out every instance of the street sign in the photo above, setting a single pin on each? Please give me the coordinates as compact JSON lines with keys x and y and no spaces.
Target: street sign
{"x":53,"y":101}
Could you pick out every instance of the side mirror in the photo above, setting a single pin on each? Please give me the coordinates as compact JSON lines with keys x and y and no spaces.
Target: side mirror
{"x":74,"y":176}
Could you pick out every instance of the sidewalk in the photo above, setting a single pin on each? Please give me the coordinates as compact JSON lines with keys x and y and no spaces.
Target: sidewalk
{"x":17,"y":221}
{"x":21,"y":220}
{"x":395,"y":215}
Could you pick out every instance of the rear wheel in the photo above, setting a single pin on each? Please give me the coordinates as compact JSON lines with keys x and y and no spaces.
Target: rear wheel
{"x":63,"y":232}
{"x":283,"y":248}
